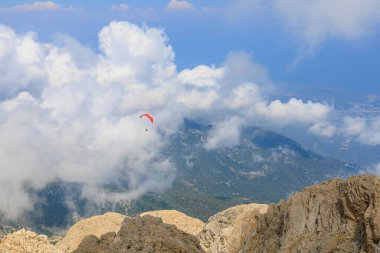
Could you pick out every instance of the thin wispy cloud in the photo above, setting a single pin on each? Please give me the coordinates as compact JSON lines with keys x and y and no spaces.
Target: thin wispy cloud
{"x":179,"y":5}
{"x":313,"y":22}
{"x":364,"y":130}
{"x":36,"y":6}
{"x":225,"y":134}
{"x":120,"y":7}
{"x":309,"y":23}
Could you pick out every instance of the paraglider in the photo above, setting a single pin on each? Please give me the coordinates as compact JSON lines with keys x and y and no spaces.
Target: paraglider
{"x":150,"y":117}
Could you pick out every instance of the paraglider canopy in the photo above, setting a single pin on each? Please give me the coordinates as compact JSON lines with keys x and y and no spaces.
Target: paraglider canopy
{"x":150,"y":117}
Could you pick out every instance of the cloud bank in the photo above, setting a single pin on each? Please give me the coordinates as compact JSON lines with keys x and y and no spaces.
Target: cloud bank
{"x":71,"y":114}
{"x":76,"y":118}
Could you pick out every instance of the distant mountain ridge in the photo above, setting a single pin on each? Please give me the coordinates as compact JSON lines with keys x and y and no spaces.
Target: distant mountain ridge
{"x":264,"y":167}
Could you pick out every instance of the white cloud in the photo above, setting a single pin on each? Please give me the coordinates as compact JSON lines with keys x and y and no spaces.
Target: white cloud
{"x":198,"y":100}
{"x":365,"y":130}
{"x":294,"y":111}
{"x":310,"y":22}
{"x":82,"y":57}
{"x":67,"y":112}
{"x":318,"y":20}
{"x":21,"y":57}
{"x":201,"y":76}
{"x":239,"y":68}
{"x":179,"y":5}
{"x":224,"y":134}
{"x":77,"y":120}
{"x":244,"y":97}
{"x":354,"y":125}
{"x":239,"y":87}
{"x":35,"y":6}
{"x":248,"y":100}
{"x":134,"y":54}
{"x":120,"y":7}
{"x":323,"y":128}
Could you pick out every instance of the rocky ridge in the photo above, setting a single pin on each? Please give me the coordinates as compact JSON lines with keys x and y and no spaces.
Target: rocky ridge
{"x":226,"y":231}
{"x":141,"y":234}
{"x":96,"y":226}
{"x":335,"y":216}
{"x":28,"y":242}
{"x":182,"y":221}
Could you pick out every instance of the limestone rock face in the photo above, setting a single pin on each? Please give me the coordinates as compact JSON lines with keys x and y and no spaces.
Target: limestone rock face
{"x":335,"y":216}
{"x":142,"y":234}
{"x":95,"y":226}
{"x":28,"y":242}
{"x":226,"y":231}
{"x":182,"y":221}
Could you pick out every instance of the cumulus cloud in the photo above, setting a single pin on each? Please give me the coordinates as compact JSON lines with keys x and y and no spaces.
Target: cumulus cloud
{"x":249,"y":101}
{"x":21,"y":59}
{"x":69,"y":113}
{"x":133,"y":54}
{"x":293,"y":111}
{"x":179,"y":5}
{"x":36,"y":6}
{"x":201,"y":76}
{"x":240,"y":87}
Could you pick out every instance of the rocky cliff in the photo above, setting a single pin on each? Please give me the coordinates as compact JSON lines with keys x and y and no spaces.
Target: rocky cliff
{"x":182,"y":221}
{"x":335,"y":216}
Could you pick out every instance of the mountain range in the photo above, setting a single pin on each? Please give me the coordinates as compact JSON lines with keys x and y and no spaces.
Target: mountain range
{"x":264,"y":167}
